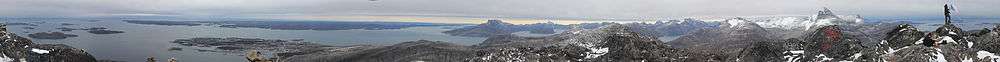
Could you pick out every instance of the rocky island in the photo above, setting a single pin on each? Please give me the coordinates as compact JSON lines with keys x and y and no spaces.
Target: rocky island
{"x":20,"y":24}
{"x":51,"y":35}
{"x":93,"y":30}
{"x":240,"y":45}
{"x":168,"y":23}
{"x":71,"y":29}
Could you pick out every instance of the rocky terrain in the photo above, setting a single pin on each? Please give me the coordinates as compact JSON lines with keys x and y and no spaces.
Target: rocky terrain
{"x":14,"y":48}
{"x":51,"y":35}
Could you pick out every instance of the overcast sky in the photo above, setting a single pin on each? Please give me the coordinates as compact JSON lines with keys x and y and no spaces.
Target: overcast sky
{"x":528,"y":8}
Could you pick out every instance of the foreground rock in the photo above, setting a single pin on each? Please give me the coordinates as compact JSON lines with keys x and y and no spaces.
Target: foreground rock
{"x":18,"y":49}
{"x":51,"y":35}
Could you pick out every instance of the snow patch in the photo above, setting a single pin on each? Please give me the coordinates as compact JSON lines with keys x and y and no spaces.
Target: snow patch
{"x":797,"y":52}
{"x":823,"y":58}
{"x":969,"y":44}
{"x":938,"y":57}
{"x":967,"y":60}
{"x":987,"y":55}
{"x":919,"y":41}
{"x":39,"y":51}
{"x":952,"y":33}
{"x":4,"y":58}
{"x":594,"y":53}
{"x":856,"y":55}
{"x":948,"y":39}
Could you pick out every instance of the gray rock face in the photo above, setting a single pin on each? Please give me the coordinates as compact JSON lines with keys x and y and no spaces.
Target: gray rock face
{"x":989,"y":41}
{"x":903,"y":35}
{"x":14,"y":48}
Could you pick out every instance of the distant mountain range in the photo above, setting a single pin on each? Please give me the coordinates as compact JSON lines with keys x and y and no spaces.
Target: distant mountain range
{"x":733,"y":40}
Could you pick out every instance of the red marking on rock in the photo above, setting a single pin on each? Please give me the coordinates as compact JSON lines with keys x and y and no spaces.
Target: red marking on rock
{"x":832,"y":35}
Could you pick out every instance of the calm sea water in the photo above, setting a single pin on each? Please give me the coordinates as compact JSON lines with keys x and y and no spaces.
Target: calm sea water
{"x":142,"y":41}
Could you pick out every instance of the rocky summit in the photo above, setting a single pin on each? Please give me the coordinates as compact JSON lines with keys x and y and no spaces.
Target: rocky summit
{"x":14,"y":48}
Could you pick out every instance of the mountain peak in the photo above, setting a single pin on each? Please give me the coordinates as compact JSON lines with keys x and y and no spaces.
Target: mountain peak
{"x":740,"y":24}
{"x":825,"y":14}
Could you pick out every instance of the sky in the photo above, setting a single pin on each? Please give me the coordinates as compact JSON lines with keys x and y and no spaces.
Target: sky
{"x":485,"y":8}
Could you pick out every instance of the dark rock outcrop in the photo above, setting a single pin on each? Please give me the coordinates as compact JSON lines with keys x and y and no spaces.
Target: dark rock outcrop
{"x":902,"y":35}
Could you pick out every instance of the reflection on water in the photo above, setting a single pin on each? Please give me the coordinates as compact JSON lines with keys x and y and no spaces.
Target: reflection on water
{"x":141,"y":41}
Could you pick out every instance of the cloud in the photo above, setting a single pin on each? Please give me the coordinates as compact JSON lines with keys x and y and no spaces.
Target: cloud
{"x":540,"y":8}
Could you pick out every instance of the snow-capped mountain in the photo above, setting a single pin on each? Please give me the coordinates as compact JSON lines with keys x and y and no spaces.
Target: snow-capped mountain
{"x":822,"y":18}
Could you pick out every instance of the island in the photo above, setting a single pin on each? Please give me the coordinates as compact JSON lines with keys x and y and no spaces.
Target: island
{"x":71,"y":29}
{"x":240,"y":45}
{"x":168,"y":23}
{"x":22,"y":24}
{"x":105,"y":32}
{"x":51,"y":35}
